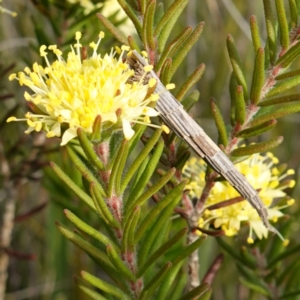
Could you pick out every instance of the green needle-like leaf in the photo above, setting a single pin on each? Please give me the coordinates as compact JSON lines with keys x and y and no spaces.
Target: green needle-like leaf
{"x":129,"y":230}
{"x":104,"y":286}
{"x":148,"y":33}
{"x":88,"y":149}
{"x":173,"y":47}
{"x":206,"y":295}
{"x":255,"y":287}
{"x":159,"y":13}
{"x":188,"y":250}
{"x":157,"y":279}
{"x":133,"y":4}
{"x":160,"y":251}
{"x":119,"y":264}
{"x":139,"y":173}
{"x":147,"y":174}
{"x":247,"y":256}
{"x":155,"y":232}
{"x":240,"y":106}
{"x":277,"y":112}
{"x":139,"y":160}
{"x":117,"y":33}
{"x":252,"y":281}
{"x":183,"y":51}
{"x":133,"y":44}
{"x":195,"y":293}
{"x":121,"y":166}
{"x":114,"y":151}
{"x":288,"y":74}
{"x":267,"y":58}
{"x":288,"y":295}
{"x":289,"y":56}
{"x":91,"y":293}
{"x":131,"y":15}
{"x":232,"y":90}
{"x":73,"y":186}
{"x":89,"y":230}
{"x":179,"y":286}
{"x":181,"y":160}
{"x":294,"y":13}
{"x":139,"y":130}
{"x":232,"y":252}
{"x":284,"y":255}
{"x":270,"y":25}
{"x":165,"y":71}
{"x":163,"y":233}
{"x":280,"y":100}
{"x":76,"y":24}
{"x":190,"y":100}
{"x":97,"y":125}
{"x":293,"y":283}
{"x":142,"y":6}
{"x":191,"y":80}
{"x":174,"y":195}
{"x":87,"y":290}
{"x":257,"y":130}
{"x":223,"y":138}
{"x":257,"y":148}
{"x":102,"y":206}
{"x":237,"y":65}
{"x":167,"y":22}
{"x":86,"y":173}
{"x":288,"y":272}
{"x":117,"y":170}
{"x":165,"y":287}
{"x":151,"y":191}
{"x":255,"y":34}
{"x":100,"y":257}
{"x":258,"y":78}
{"x":283,"y":24}
{"x":283,"y":86}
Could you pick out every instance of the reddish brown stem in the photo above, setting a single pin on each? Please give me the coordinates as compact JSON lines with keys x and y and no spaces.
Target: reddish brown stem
{"x":214,"y":268}
{"x":205,"y":193}
{"x":30,"y":213}
{"x":20,"y":255}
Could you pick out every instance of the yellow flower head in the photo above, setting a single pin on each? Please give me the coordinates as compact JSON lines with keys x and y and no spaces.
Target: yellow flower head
{"x":262,"y":173}
{"x":71,"y":94}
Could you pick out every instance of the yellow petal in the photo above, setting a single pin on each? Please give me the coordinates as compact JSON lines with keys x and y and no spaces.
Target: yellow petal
{"x":68,"y":135}
{"x":128,"y":131}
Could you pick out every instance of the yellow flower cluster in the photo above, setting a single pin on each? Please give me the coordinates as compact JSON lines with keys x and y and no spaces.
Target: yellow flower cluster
{"x":71,"y":94}
{"x":263,"y":174}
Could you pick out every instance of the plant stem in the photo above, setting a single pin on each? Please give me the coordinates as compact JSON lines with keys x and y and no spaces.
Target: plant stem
{"x":5,"y":235}
{"x":193,"y":264}
{"x":7,"y":224}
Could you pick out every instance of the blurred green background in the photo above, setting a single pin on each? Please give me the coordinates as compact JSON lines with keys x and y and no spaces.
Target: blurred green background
{"x":37,"y":192}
